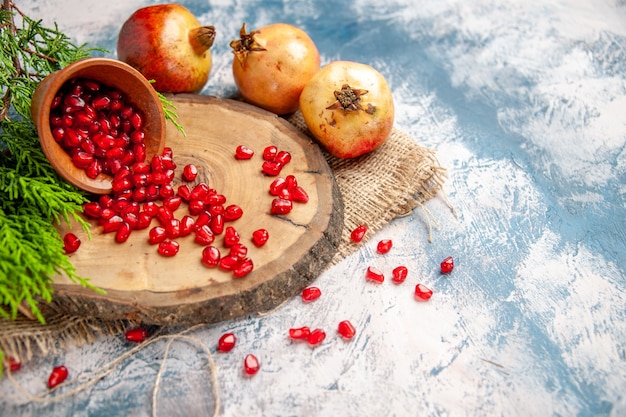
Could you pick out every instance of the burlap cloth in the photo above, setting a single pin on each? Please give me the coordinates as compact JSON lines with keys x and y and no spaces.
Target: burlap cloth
{"x":376,"y":188}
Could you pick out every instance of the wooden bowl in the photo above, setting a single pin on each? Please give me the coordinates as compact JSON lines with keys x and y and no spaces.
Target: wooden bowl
{"x":112,"y":73}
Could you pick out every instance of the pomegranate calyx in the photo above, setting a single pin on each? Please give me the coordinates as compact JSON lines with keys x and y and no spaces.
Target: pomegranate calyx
{"x":349,"y":100}
{"x":202,"y":38}
{"x":247,"y":43}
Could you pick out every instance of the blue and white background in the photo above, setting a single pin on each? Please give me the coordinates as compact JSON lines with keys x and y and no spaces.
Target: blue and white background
{"x":525,"y":102}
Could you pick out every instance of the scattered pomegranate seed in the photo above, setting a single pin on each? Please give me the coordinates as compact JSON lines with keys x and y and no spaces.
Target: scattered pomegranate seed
{"x":311,"y":294}
{"x":190,"y":172}
{"x":399,"y":274}
{"x":374,"y":274}
{"x":260,"y":237}
{"x":14,"y":364}
{"x":243,"y":152}
{"x":271,"y":168}
{"x":269,"y":153}
{"x":251,"y":364}
{"x":422,"y":293}
{"x":358,"y":233}
{"x":231,"y":236}
{"x":346,"y":329}
{"x":211,"y":256}
{"x":281,"y":206}
{"x":226,"y":342}
{"x":232,"y":213}
{"x":204,"y":235}
{"x":57,"y":376}
{"x":168,"y":248}
{"x":136,"y":335}
{"x":299,"y":333}
{"x":316,"y":337}
{"x":243,"y":268}
{"x":71,"y":243}
{"x":447,"y":265}
{"x":384,"y":246}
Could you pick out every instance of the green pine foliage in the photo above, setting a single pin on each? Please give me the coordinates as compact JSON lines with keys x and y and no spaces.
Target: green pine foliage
{"x":32,"y":195}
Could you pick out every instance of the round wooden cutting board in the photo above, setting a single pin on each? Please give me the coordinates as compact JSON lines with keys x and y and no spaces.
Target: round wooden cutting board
{"x":142,"y":285}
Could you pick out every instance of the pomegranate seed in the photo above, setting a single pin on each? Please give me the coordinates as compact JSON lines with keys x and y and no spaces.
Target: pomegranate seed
{"x":123,"y":232}
{"x":184,"y":192}
{"x":232,"y":213}
{"x":172,"y":202}
{"x":136,"y":120}
{"x":57,"y":376}
{"x":271,"y":168}
{"x":299,"y":195}
{"x":374,"y":274}
{"x":243,"y":268}
{"x":151,"y":208}
{"x":311,"y":293}
{"x":101,"y":102}
{"x":251,"y":364}
{"x":422,"y":293}
{"x":136,"y":335}
{"x":71,"y":243}
{"x":231,"y":236}
{"x":156,"y":235}
{"x":346,"y":329}
{"x":172,"y":229}
{"x":199,"y":192}
{"x":299,"y":333}
{"x":215,"y":199}
{"x":243,"y":152}
{"x":226,"y":343}
{"x":216,"y":209}
{"x":384,"y":246}
{"x":228,"y":263}
{"x":211,"y":256}
{"x":316,"y":337}
{"x":358,"y":233}
{"x":14,"y":364}
{"x":164,"y":215}
{"x":239,"y":251}
{"x":168,"y":248}
{"x":277,"y":186}
{"x":260,"y":237}
{"x":217,"y":224}
{"x":187,"y":224}
{"x":281,"y":206}
{"x":447,"y":265}
{"x":203,"y":219}
{"x":283,"y":157}
{"x":143,"y":221}
{"x":196,"y":207}
{"x":269,"y":153}
{"x":112,"y":225}
{"x":204,"y":236}
{"x":399,"y":274}
{"x":190,"y":172}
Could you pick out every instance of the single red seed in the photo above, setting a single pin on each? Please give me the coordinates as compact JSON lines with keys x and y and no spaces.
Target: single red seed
{"x":164,"y":215}
{"x":215,"y":199}
{"x":238,"y":250}
{"x":187,"y":224}
{"x":14,"y":364}
{"x":231,"y":236}
{"x":232,"y":213}
{"x":311,"y":293}
{"x":227,"y":263}
{"x":57,"y":376}
{"x":271,"y":168}
{"x":251,"y":364}
{"x":204,"y":235}
{"x":196,"y":207}
{"x":281,"y":206}
{"x":71,"y":243}
{"x":374,"y":274}
{"x":156,"y":235}
{"x":299,"y":195}
{"x":226,"y":342}
{"x":278,"y":185}
{"x":123,"y":232}
{"x":216,"y":209}
{"x":269,"y":153}
{"x":199,"y":192}
{"x":184,"y":192}
{"x":299,"y":333}
{"x":190,"y":172}
{"x":243,"y":268}
{"x":112,"y":224}
{"x":143,"y":221}
{"x":399,"y":274}
{"x":346,"y":329}
{"x":211,"y":256}
{"x":136,"y":335}
{"x":172,"y":202}
{"x":151,"y":208}
{"x":422,"y":293}
{"x":358,"y":233}
{"x":283,"y":157}
{"x":172,"y":229}
{"x":168,"y":248}
{"x":316,"y":337}
{"x":384,"y":246}
{"x":217,"y":224}
{"x":447,"y":265}
{"x":243,"y":152}
{"x":260,"y":237}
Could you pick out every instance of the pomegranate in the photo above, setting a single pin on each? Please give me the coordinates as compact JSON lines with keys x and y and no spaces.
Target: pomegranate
{"x":272,"y":64}
{"x":167,"y":44}
{"x":349,"y":108}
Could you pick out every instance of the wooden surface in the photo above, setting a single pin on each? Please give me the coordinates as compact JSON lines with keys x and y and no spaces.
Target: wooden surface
{"x":143,"y":285}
